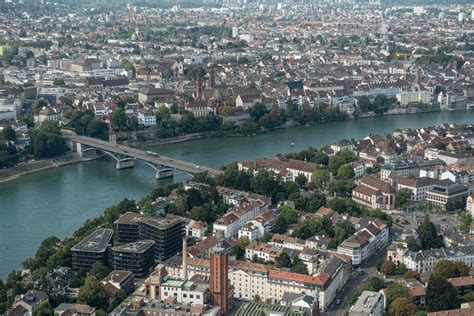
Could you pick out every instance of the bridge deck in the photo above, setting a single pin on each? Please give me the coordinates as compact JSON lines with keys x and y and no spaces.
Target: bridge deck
{"x":141,"y":155}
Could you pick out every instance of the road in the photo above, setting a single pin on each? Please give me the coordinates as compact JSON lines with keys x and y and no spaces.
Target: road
{"x":368,"y":269}
{"x":141,"y":155}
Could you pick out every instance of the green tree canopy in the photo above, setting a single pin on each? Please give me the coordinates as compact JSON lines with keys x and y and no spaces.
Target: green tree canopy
{"x":119,"y":119}
{"x":440,"y":294}
{"x":402,"y":197}
{"x":449,"y":269}
{"x":92,"y":293}
{"x":346,"y":172}
{"x":402,"y":306}
{"x":283,"y":261}
{"x":9,"y":133}
{"x":388,"y":267}
{"x":44,"y":309}
{"x":428,"y":235}
{"x":396,"y":290}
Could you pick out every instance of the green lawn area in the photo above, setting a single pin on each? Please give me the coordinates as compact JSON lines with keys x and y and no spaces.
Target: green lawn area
{"x":5,"y":173}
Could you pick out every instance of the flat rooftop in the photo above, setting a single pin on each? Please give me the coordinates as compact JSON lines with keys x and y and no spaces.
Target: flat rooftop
{"x":161,"y":222}
{"x":365,"y":303}
{"x":135,"y":247}
{"x":128,"y":218}
{"x":97,"y":241}
{"x":131,"y":218}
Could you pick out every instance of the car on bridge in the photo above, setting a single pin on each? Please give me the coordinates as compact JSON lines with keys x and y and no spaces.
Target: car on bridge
{"x":151,"y":153}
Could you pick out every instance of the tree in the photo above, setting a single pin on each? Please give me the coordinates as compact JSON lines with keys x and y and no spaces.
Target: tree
{"x":402,"y":307}
{"x":363,"y":104}
{"x":3,"y":297}
{"x":428,"y":235}
{"x":411,"y":274}
{"x":92,"y":293}
{"x":321,"y":177}
{"x":301,"y":180}
{"x":449,"y":269}
{"x":461,"y":268}
{"x":469,"y":297}
{"x":119,"y":119}
{"x":9,"y":133}
{"x":244,"y":241}
{"x":346,"y":172}
{"x":412,"y":244}
{"x":381,"y":104}
{"x":402,"y":198}
{"x":289,"y":214}
{"x":298,"y":266}
{"x":99,"y":270}
{"x":44,"y":309}
{"x":440,"y":294}
{"x":370,"y":284}
{"x":388,"y":267}
{"x":47,"y":142}
{"x":283,"y":261}
{"x":396,"y":290}
{"x":341,"y":158}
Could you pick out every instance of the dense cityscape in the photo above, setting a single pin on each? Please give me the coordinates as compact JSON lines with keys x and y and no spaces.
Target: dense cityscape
{"x":355,"y":224}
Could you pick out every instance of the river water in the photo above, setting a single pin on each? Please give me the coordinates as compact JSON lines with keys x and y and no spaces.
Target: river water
{"x":58,"y":201}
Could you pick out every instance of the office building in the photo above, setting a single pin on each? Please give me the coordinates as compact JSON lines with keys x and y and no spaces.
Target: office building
{"x":94,"y":248}
{"x":167,"y":232}
{"x":136,"y":257}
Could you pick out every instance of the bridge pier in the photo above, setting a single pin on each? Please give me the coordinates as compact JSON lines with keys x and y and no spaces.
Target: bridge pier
{"x":124,"y":164}
{"x":164,"y":174}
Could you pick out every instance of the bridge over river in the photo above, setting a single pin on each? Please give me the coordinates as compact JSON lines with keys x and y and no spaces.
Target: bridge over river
{"x":125,"y":156}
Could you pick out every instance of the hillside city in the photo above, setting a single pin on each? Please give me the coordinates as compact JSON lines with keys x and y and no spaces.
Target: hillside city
{"x":381,"y":225}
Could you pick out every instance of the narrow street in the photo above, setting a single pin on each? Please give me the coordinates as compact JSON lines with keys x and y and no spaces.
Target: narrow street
{"x":366,"y":270}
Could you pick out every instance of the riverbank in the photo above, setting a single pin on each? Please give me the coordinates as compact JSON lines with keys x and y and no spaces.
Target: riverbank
{"x":287,"y":125}
{"x":41,"y":165}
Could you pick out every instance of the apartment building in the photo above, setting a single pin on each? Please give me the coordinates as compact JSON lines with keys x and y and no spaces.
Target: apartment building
{"x":258,"y":226}
{"x":425,"y":260}
{"x":288,"y":169}
{"x":405,"y":167}
{"x":146,"y":117}
{"x":229,"y":224}
{"x":409,"y":97}
{"x":261,"y":251}
{"x":366,"y":242}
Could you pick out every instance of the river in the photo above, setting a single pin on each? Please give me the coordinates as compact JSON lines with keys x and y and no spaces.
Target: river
{"x":58,"y":201}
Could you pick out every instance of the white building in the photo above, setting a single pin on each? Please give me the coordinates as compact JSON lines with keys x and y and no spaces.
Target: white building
{"x":146,"y":117}
{"x":425,"y":260}
{"x":369,"y":303}
{"x":366,"y":242}
{"x":409,"y":97}
{"x":229,"y":224}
